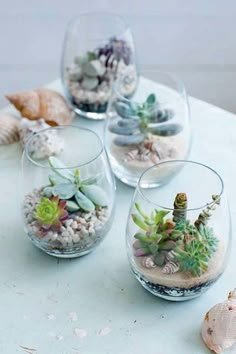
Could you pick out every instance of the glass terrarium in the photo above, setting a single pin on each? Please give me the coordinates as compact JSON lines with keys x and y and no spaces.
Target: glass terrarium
{"x":178,"y":234}
{"x":67,"y":191}
{"x":150,"y":127}
{"x":97,"y":49}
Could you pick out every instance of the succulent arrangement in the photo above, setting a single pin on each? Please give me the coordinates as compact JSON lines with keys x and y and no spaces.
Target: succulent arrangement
{"x":66,"y":194}
{"x":91,"y":69}
{"x":175,"y":244}
{"x":138,"y":121}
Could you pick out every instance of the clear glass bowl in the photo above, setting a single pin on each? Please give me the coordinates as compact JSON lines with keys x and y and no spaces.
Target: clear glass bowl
{"x":67,"y":191}
{"x":97,"y":48}
{"x":150,"y":127}
{"x":179,"y":234}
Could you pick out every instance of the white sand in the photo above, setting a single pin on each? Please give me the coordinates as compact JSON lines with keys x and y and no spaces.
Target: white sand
{"x":183,"y":279}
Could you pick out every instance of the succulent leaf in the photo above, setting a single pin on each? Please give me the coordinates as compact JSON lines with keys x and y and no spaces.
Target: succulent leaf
{"x":206,"y":213}
{"x":83,"y":202}
{"x":72,"y":206}
{"x":95,"y":194}
{"x":139,"y":222}
{"x":64,"y":190}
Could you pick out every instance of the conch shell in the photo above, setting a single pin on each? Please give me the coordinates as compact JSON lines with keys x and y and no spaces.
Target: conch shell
{"x":219,"y":326}
{"x":9,"y":129}
{"x":42,"y":103}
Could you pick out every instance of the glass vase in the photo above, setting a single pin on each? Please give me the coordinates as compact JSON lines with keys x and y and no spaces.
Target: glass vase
{"x":179,"y":234}
{"x":97,"y":48}
{"x":67,"y":191}
{"x":150,"y":127}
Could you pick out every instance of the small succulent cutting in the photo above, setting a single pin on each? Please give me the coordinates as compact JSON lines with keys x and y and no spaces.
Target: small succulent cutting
{"x":50,"y":213}
{"x":91,"y":68}
{"x":136,"y":121}
{"x":76,"y":192}
{"x":175,"y":244}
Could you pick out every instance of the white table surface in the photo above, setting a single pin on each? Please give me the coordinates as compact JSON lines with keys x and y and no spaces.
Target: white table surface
{"x":38,"y":293}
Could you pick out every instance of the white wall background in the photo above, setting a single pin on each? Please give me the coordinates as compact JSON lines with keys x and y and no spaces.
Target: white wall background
{"x":194,"y":38}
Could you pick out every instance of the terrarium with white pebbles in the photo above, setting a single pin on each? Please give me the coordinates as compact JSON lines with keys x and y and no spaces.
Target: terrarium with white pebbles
{"x":67,"y":198}
{"x":97,"y":49}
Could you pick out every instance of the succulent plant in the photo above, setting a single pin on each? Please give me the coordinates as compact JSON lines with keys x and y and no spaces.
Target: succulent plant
{"x":180,"y":207}
{"x":136,"y":121}
{"x":197,"y":251}
{"x":205,"y":215}
{"x":77,"y":193}
{"x":89,"y":71}
{"x":177,"y":244}
{"x":115,"y":51}
{"x":51,"y":212}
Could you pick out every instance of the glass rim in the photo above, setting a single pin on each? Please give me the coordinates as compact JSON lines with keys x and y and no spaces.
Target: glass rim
{"x":139,"y":188}
{"x":61,"y":127}
{"x":142,"y":73}
{"x":74,"y":19}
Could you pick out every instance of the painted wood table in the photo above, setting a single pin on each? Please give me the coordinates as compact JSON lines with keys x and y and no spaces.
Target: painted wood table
{"x":94,"y":305}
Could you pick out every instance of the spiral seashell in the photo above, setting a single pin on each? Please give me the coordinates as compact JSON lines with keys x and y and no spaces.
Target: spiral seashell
{"x":131,"y":155}
{"x":219,"y":325}
{"x":170,"y":256}
{"x":148,"y":263}
{"x":170,"y":268}
{"x":9,"y":129}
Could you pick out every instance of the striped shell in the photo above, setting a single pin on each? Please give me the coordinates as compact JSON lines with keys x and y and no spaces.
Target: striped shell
{"x":148,"y":263}
{"x":9,"y":129}
{"x":170,"y":268}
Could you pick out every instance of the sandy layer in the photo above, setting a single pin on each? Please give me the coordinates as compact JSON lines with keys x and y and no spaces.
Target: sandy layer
{"x":176,"y":146}
{"x":183,"y":279}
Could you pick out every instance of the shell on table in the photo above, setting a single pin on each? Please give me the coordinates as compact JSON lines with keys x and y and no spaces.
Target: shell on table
{"x":9,"y":129}
{"x":42,"y":103}
{"x":219,"y":325}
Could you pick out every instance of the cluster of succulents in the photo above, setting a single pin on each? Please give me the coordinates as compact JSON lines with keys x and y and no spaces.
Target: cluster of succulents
{"x":91,"y":69}
{"x":67,"y":193}
{"x":136,"y":121}
{"x":176,"y":244}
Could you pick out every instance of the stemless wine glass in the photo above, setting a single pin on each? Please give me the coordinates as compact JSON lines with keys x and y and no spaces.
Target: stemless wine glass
{"x":98,"y":47}
{"x":179,"y":234}
{"x":67,"y":191}
{"x":150,"y":127}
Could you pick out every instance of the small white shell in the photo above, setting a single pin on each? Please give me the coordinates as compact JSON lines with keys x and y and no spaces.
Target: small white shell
{"x":170,"y":268}
{"x":219,"y":326}
{"x":148,"y":263}
{"x":9,"y":129}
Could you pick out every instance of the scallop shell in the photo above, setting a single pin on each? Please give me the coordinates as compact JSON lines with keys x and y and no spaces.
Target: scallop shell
{"x":9,"y":129}
{"x":170,"y":268}
{"x":219,"y":326}
{"x":148,"y":263}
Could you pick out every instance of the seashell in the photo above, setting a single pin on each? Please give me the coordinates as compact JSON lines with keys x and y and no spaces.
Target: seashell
{"x":170,"y":268}
{"x":116,"y":129}
{"x":154,"y":158}
{"x":129,"y":140}
{"x":131,"y":155}
{"x":28,"y":127}
{"x":148,"y":262}
{"x":166,"y":129}
{"x":219,"y":326}
{"x":42,"y":103}
{"x":9,"y":129}
{"x":170,"y":256}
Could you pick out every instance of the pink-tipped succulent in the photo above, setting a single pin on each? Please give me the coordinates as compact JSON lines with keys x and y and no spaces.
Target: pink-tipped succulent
{"x":50,"y":213}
